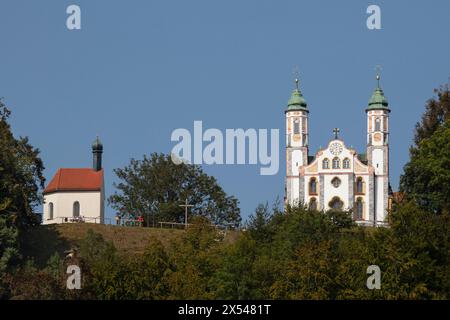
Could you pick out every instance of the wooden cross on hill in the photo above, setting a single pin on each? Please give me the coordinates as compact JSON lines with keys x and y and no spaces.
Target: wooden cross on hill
{"x":186,"y":206}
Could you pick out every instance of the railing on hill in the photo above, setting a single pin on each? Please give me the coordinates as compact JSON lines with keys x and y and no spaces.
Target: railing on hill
{"x":173,"y":225}
{"x":80,"y":219}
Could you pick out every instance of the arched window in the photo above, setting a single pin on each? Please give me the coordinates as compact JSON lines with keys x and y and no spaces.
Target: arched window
{"x":336,"y":182}
{"x":313,"y":186}
{"x":313,"y":204}
{"x":346,"y":163}
{"x":325,"y":164}
{"x":336,"y":203}
{"x":76,"y":209}
{"x":50,"y":211}
{"x":377,"y":124}
{"x":359,"y":185}
{"x":296,"y":126}
{"x":336,"y":163}
{"x":359,"y":209}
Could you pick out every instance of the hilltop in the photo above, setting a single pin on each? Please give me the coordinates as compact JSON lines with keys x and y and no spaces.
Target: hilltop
{"x":43,"y":241}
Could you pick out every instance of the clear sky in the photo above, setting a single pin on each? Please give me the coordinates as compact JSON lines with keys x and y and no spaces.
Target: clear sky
{"x":137,"y":70}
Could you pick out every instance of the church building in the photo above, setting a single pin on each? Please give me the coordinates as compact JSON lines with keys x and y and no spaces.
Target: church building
{"x":76,"y":194}
{"x":337,"y":177}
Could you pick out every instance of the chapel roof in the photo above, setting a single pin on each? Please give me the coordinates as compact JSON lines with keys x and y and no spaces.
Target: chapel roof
{"x":75,"y":179}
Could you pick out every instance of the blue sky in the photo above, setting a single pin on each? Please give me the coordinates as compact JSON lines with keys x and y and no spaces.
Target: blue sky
{"x":137,"y":70}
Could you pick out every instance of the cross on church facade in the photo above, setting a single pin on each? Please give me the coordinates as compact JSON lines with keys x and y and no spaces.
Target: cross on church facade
{"x":336,"y":132}
{"x":186,"y":206}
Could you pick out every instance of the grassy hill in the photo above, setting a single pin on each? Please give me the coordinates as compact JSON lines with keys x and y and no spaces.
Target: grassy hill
{"x":42,"y":242}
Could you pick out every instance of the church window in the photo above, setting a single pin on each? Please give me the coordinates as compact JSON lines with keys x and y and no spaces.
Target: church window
{"x":325,"y":164}
{"x":377,"y":124}
{"x":336,"y":203}
{"x":346,"y":163}
{"x":313,"y":186}
{"x":359,"y":209}
{"x":359,"y":185}
{"x":336,"y":163}
{"x":296,"y":126}
{"x":303,"y":124}
{"x":76,"y":209}
{"x":313,"y":204}
{"x":50,"y":211}
{"x":336,"y":182}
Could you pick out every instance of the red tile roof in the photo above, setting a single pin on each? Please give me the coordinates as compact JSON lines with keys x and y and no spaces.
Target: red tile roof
{"x":84,"y":179}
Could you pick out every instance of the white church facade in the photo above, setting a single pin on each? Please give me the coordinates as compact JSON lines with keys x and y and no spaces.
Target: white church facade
{"x":76,"y":194}
{"x":337,"y":177}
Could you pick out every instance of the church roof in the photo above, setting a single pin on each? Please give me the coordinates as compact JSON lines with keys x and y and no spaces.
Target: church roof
{"x":297,"y":102}
{"x":378,"y":101}
{"x":75,"y":179}
{"x":362,"y":157}
{"x":97,"y":145}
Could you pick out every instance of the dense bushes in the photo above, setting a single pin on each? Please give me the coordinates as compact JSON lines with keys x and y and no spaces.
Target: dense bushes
{"x":305,"y":255}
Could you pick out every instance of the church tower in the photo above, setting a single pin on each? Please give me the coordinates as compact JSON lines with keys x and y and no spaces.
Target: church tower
{"x":296,"y":145}
{"x":378,"y":153}
{"x":97,"y":150}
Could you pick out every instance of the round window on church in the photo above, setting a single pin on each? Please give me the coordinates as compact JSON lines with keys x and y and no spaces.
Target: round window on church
{"x":336,"y":182}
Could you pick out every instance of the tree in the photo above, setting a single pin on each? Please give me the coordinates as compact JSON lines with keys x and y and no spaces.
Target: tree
{"x":21,"y":176}
{"x":258,"y":224}
{"x":20,"y":181}
{"x":426,"y":177}
{"x":436,"y":114}
{"x":154,"y":187}
{"x":194,"y":259}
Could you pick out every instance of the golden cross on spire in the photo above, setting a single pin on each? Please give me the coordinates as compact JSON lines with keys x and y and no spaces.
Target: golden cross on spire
{"x":378,"y":70}
{"x":296,"y":74}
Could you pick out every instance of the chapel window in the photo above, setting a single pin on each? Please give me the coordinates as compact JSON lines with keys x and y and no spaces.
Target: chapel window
{"x":359,"y":185}
{"x":76,"y":209}
{"x":359,"y":209}
{"x":313,"y":186}
{"x":336,"y":163}
{"x":377,"y":124}
{"x":346,"y":163}
{"x":336,"y":203}
{"x":336,"y":182}
{"x":50,"y":211}
{"x":296,"y":126}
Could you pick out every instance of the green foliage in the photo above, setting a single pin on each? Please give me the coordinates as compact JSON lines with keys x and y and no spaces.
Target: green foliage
{"x":20,"y":176}
{"x":426,"y":177}
{"x":103,"y":271}
{"x":20,"y":181}
{"x":437,"y":112}
{"x":8,"y":245}
{"x":154,"y":187}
